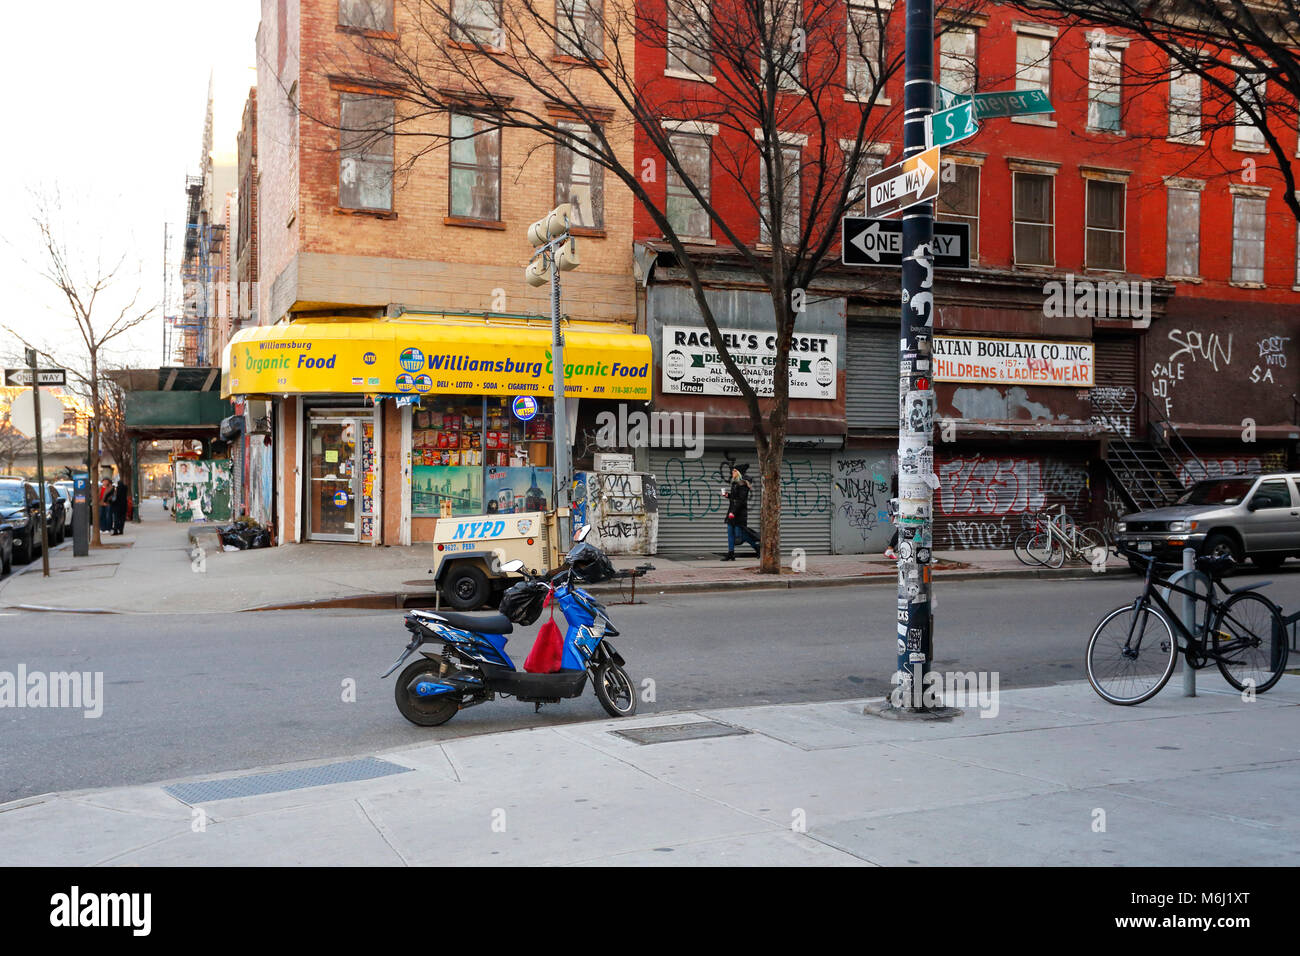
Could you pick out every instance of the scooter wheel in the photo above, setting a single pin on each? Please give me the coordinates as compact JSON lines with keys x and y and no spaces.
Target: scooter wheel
{"x":614,"y":690}
{"x":423,"y":711}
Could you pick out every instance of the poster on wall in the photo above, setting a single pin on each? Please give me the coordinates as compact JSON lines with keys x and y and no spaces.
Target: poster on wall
{"x":512,"y":489}
{"x":1012,"y":361}
{"x":202,"y":490}
{"x":692,"y":366}
{"x":431,"y":484}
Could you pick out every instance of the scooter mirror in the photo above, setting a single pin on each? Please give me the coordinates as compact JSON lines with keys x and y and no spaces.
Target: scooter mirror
{"x":581,"y":533}
{"x":511,"y":567}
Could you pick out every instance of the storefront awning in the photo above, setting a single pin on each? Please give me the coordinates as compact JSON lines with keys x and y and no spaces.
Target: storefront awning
{"x":474,"y":356}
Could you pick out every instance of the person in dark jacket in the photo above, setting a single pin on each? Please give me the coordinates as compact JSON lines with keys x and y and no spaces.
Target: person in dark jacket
{"x":738,"y":513}
{"x":105,"y":505}
{"x":120,"y":501}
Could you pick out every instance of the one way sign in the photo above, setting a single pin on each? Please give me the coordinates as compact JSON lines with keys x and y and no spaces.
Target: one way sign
{"x":879,"y":242}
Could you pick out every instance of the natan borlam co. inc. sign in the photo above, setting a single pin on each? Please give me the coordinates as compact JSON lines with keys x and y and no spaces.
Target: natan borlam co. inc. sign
{"x":691,"y":365}
{"x":1013,"y":361}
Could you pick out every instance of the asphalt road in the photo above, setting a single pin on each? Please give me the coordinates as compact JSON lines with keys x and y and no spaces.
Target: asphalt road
{"x":187,"y":695}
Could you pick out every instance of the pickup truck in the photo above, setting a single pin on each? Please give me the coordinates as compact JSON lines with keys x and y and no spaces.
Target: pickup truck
{"x":1241,"y":516}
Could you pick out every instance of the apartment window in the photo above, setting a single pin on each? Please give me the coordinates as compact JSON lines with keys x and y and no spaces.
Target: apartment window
{"x":1033,"y":63}
{"x":959,"y":201}
{"x":579,"y":180}
{"x":686,"y":215}
{"x":1183,"y":234}
{"x":1248,"y":239}
{"x":1250,"y":89}
{"x":580,"y":28}
{"x":1104,"y":85}
{"x":475,"y":180}
{"x":365,"y":151}
{"x":957,"y":66}
{"x":791,"y":197}
{"x":1184,"y":105}
{"x":870,"y":162}
{"x":366,"y":14}
{"x":1033,"y":219}
{"x":1103,"y":246}
{"x":863,"y":49}
{"x":789,"y":43}
{"x":477,"y":22}
{"x":689,"y":38}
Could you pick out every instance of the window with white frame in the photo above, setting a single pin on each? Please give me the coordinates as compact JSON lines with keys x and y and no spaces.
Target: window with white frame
{"x":957,"y":64}
{"x":1103,"y":246}
{"x":1183,"y":234}
{"x":1248,"y":239}
{"x":1104,"y":84}
{"x":477,"y":22}
{"x":863,"y":50}
{"x":1033,"y":62}
{"x":1250,"y":90}
{"x":959,"y":201}
{"x":690,"y":43}
{"x":789,"y":43}
{"x":580,"y":28}
{"x":1033,"y":219}
{"x":1184,"y":104}
{"x":791,"y":196}
{"x":686,"y":214}
{"x":579,"y":180}
{"x":474,"y":179}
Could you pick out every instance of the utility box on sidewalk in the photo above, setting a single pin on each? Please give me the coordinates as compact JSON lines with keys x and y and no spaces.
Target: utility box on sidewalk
{"x":80,"y":515}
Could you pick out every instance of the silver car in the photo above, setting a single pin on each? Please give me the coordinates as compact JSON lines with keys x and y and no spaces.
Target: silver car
{"x":1244,"y":516}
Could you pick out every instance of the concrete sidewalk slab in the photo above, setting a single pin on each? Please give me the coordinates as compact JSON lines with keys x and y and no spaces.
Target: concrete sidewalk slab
{"x":1058,"y":777}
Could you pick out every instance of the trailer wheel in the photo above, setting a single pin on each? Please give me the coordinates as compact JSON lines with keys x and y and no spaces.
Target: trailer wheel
{"x":466,"y":587}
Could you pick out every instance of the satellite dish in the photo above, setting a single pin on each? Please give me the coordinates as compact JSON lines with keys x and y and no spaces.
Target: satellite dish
{"x":22,"y":414}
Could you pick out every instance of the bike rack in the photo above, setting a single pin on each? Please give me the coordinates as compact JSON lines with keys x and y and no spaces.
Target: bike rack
{"x":1292,"y":621}
{"x":631,"y":574}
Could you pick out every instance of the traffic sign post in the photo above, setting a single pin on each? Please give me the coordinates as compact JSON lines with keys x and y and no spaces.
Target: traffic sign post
{"x":915,"y":180}
{"x":40,"y":463}
{"x":879,"y":242}
{"x":951,"y":125}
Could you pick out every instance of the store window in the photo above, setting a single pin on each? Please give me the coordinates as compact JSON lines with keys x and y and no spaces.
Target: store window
{"x":481,"y":455}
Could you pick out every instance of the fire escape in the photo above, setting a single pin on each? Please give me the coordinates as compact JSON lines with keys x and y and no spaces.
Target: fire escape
{"x":200,"y":264}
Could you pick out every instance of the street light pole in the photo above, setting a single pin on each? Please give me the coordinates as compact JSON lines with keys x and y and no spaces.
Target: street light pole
{"x":40,"y":463}
{"x":916,"y":394}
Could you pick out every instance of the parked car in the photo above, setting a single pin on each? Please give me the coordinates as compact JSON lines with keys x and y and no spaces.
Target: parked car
{"x":20,"y":508}
{"x":1243,"y":516}
{"x":56,"y":511}
{"x":6,"y":548}
{"x":66,"y":490}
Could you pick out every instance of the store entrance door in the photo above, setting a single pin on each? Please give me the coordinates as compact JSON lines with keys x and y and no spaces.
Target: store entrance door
{"x":333,"y":479}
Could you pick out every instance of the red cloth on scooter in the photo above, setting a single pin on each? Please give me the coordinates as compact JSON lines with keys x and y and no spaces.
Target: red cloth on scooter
{"x":547,"y":652}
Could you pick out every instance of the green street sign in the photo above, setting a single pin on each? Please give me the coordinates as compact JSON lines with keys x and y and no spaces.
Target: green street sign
{"x":1011,"y":103}
{"x":951,"y":125}
{"x":945,"y":98}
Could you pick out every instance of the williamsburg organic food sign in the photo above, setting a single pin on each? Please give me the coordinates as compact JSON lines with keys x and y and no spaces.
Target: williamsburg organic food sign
{"x":1013,"y":361}
{"x":692,"y":366}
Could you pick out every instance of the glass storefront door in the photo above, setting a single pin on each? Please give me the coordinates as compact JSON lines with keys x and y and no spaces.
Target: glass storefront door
{"x":333,"y":479}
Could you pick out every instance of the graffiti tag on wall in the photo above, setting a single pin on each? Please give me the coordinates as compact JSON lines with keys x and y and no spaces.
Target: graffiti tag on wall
{"x":689,"y":489}
{"x":865,"y":493}
{"x":985,"y":493}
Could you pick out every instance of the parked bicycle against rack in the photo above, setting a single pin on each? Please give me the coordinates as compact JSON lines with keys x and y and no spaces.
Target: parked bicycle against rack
{"x":1132,"y":651}
{"x":1054,"y":539}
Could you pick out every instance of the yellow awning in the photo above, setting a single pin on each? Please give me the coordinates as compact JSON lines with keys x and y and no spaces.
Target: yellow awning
{"x":466,"y":355}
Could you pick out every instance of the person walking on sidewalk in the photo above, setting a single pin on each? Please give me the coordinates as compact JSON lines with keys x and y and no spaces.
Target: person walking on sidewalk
{"x":738,"y":513}
{"x":105,"y":505}
{"x":120,"y":501}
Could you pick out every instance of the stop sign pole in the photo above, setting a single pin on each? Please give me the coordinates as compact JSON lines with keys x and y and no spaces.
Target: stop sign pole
{"x":40,"y":463}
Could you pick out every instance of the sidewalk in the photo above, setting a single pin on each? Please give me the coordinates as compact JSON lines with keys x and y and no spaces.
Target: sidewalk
{"x":1057,"y":777}
{"x":151,"y":569}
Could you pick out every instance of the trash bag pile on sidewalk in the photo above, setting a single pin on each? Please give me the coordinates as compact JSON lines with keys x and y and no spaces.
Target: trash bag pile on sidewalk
{"x":244,"y":533}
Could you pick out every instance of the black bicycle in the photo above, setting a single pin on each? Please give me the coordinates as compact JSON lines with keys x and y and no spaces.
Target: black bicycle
{"x":1132,"y":652}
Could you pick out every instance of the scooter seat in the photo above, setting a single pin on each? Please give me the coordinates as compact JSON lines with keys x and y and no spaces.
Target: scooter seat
{"x":494,"y":623}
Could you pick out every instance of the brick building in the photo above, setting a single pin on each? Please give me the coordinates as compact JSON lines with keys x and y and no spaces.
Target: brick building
{"x":1121,"y":228}
{"x":376,"y":273}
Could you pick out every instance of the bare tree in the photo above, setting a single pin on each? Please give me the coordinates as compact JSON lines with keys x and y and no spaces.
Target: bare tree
{"x":778,"y":73}
{"x":82,"y":290}
{"x":1246,"y":53}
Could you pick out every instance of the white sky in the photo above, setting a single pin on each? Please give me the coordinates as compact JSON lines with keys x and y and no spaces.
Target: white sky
{"x":112,"y":116}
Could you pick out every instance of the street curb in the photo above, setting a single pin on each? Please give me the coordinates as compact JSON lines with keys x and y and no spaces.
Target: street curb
{"x":405,"y":600}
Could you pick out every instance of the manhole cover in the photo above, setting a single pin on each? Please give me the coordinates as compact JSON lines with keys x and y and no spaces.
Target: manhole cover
{"x":694,"y":730}
{"x":347,"y":771}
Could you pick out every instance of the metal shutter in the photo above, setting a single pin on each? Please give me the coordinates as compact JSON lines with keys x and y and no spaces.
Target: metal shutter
{"x":692,"y":512}
{"x":1116,"y":378}
{"x":871,"y":381}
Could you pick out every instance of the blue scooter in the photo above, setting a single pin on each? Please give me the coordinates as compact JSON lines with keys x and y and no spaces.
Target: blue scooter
{"x":471,"y":666}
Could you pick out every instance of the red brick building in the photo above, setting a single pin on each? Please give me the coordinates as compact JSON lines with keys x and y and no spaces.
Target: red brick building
{"x":1136,"y":224}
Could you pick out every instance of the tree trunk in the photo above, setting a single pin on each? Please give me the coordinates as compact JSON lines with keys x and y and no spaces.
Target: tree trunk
{"x":770,"y":508}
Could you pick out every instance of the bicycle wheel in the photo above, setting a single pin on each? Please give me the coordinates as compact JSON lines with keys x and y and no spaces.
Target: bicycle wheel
{"x":1087,"y":543}
{"x":1249,"y":632}
{"x":1048,"y":550}
{"x":1129,"y":660}
{"x":1021,"y":548}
